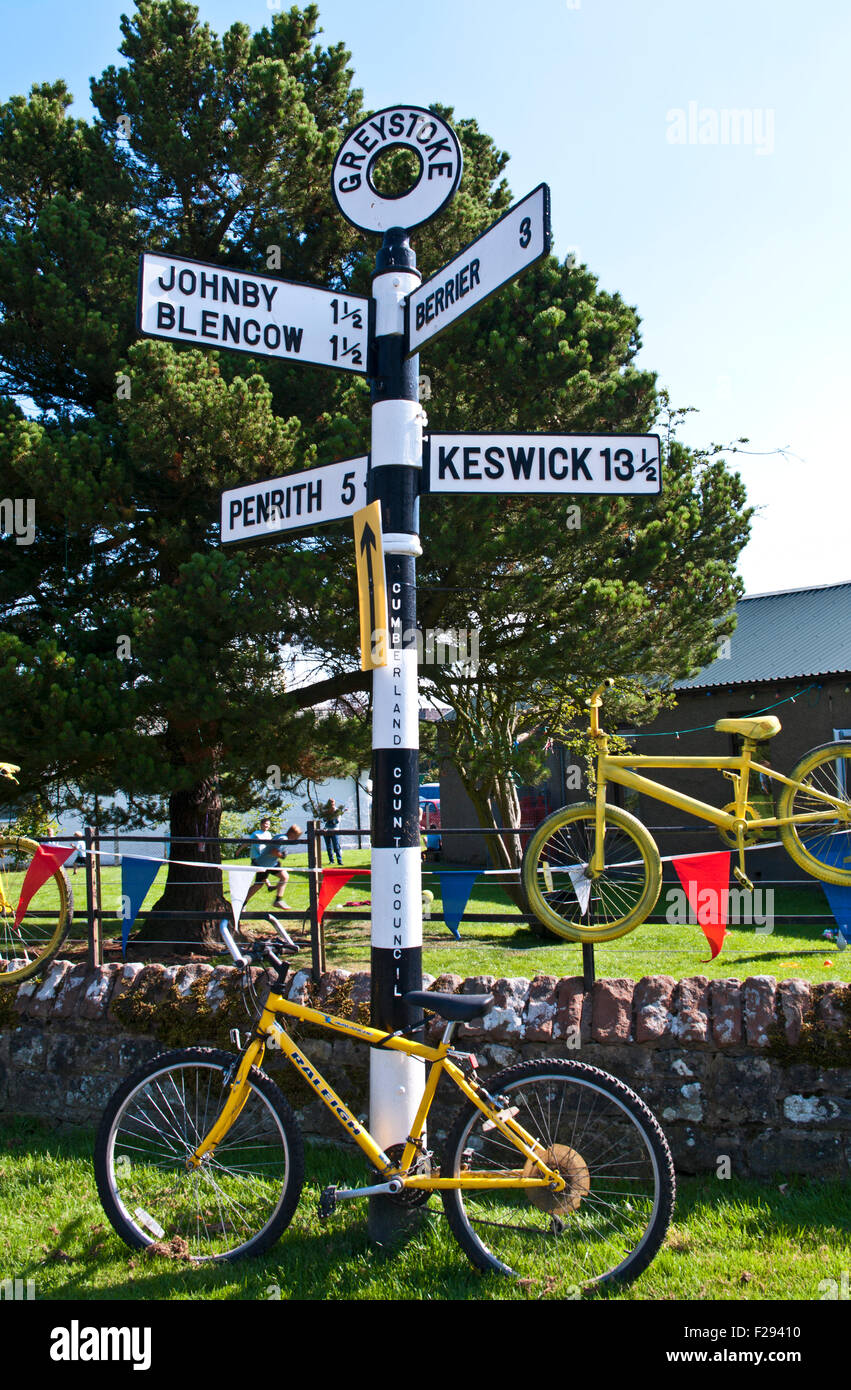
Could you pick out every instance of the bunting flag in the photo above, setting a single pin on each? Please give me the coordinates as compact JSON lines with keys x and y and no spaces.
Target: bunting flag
{"x":581,"y":886}
{"x":240,"y":881}
{"x":137,"y":875}
{"x":455,"y":890}
{"x":330,"y":883}
{"x":46,"y":860}
{"x":839,"y":897}
{"x":706,"y":880}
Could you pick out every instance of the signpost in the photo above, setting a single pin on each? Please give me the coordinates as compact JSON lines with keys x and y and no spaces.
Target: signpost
{"x":513,"y":244}
{"x":372,"y":589}
{"x":555,"y":463}
{"x":294,"y":501}
{"x":216,"y":306}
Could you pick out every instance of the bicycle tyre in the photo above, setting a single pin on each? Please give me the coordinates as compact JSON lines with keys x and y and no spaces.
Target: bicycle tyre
{"x":818,"y":848}
{"x":221,"y":1212}
{"x":620,"y":899}
{"x":593,"y":1125}
{"x":26,"y":950}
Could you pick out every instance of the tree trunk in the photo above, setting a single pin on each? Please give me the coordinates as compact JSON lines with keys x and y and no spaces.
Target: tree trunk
{"x":505,"y":849}
{"x":194,"y":816}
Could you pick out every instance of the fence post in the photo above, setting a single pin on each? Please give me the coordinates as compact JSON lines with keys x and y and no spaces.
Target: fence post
{"x":94,"y":951}
{"x":317,"y":930}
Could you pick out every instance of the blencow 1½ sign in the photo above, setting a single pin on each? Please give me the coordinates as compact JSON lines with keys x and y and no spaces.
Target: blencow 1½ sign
{"x":555,"y":463}
{"x":213,"y":306}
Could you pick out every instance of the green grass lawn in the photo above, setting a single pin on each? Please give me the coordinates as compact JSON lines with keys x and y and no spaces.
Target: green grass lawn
{"x":506,"y":946}
{"x":730,"y":1240}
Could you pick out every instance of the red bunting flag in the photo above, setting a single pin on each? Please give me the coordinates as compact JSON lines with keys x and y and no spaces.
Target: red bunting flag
{"x":330,"y":883}
{"x":706,"y":880}
{"x":46,"y":860}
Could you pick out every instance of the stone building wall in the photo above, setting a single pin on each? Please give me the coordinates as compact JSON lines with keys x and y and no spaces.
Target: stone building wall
{"x":754,"y":1071}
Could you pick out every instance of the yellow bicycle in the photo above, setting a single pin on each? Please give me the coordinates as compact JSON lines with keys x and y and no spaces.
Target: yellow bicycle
{"x":592,"y":871}
{"x":554,"y":1171}
{"x":28,"y":945}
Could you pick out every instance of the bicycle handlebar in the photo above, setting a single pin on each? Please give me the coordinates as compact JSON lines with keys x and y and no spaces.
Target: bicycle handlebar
{"x":595,"y":702}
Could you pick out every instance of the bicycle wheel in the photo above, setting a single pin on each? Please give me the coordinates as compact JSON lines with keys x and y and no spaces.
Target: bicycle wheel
{"x":27,"y":948}
{"x":823,"y":848}
{"x":610,"y":1220}
{"x":240,"y":1199}
{"x":560,"y":890}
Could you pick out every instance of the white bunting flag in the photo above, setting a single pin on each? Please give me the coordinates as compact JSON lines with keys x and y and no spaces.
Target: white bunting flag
{"x":240,"y":881}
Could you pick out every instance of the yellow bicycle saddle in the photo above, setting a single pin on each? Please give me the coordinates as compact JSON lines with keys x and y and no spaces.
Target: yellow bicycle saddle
{"x":757,"y":729}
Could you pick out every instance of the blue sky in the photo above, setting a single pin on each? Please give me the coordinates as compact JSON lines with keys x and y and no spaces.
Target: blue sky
{"x":733,"y":253}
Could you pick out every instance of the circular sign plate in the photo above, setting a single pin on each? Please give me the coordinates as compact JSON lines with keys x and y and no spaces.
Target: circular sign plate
{"x":396,"y":127}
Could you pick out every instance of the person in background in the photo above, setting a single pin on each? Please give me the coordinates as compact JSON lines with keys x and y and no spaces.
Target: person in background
{"x":331,"y":817}
{"x":258,"y":842}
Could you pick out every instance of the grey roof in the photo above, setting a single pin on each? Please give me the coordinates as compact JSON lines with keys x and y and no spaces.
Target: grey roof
{"x":784,"y":636}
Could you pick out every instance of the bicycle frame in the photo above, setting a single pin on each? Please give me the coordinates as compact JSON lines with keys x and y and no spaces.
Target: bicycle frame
{"x":615,"y":768}
{"x":268,"y":1029}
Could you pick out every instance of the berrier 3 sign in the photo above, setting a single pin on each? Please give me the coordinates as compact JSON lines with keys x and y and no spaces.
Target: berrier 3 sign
{"x":215,"y":306}
{"x":511,"y":245}
{"x":554,"y":463}
{"x":327,"y":493}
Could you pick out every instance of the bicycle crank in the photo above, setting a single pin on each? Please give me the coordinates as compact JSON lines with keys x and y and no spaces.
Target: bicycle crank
{"x":571,"y":1166}
{"x":410,"y":1196}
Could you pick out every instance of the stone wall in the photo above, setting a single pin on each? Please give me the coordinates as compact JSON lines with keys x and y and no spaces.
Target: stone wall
{"x":753,"y":1070}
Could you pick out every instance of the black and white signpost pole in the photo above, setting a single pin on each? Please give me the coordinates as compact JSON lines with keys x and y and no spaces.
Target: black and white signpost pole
{"x":396,"y":1081}
{"x":396,"y":456}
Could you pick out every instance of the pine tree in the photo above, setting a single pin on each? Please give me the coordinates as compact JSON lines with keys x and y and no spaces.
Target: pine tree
{"x":138,"y":654}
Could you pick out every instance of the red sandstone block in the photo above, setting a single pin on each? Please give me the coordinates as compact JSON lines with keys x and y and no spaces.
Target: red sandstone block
{"x":573,"y":1009}
{"x":97,"y":987}
{"x":794,"y":997}
{"x":725,"y":1010}
{"x":330,"y":985}
{"x":540,"y":1009}
{"x":361,"y":987}
{"x":758,"y":998}
{"x":828,"y":1008}
{"x":477,"y":984}
{"x":44,"y":1000}
{"x":691,"y":1010}
{"x":124,"y":981}
{"x":611,"y":1011}
{"x":652,"y":1003}
{"x":68,"y":998}
{"x":504,"y":1022}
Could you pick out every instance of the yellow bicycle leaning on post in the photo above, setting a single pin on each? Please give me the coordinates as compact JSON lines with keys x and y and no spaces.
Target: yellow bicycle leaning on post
{"x":592,"y":871}
{"x":554,"y":1172}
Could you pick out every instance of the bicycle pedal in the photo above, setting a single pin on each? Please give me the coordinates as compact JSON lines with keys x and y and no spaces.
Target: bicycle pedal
{"x":327,"y":1202}
{"x":743,"y":879}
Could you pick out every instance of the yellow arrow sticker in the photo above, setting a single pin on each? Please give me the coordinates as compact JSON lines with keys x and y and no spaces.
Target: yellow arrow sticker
{"x":372,"y":590}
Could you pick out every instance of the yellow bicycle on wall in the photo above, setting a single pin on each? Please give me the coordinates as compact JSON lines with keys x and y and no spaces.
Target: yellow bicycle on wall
{"x":592,"y":871}
{"x":30,"y":938}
